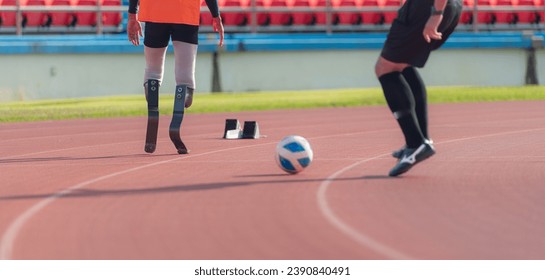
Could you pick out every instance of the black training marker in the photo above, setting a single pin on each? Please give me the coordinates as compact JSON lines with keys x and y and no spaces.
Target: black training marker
{"x":250,"y":130}
{"x":232,"y":129}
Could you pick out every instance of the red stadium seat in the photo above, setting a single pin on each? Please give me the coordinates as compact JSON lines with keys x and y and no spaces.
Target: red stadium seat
{"x":38,"y":18}
{"x":111,"y":18}
{"x":391,"y":15}
{"x":486,"y":17}
{"x":529,"y":16}
{"x":263,"y":18}
{"x":541,"y":11}
{"x":320,"y":17}
{"x":206,"y":17}
{"x":8,"y":18}
{"x":372,"y":17}
{"x":236,"y":18}
{"x":280,"y":18}
{"x":467,"y":15}
{"x":303,"y":18}
{"x":351,"y":18}
{"x":62,"y":18}
{"x":86,"y":18}
{"x":506,"y":17}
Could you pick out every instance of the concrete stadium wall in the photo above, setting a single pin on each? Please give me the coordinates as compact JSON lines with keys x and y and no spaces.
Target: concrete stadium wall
{"x":50,"y":76}
{"x":355,"y":69}
{"x":47,"y":71}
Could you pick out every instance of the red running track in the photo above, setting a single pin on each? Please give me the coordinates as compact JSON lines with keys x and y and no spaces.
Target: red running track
{"x":85,"y":189}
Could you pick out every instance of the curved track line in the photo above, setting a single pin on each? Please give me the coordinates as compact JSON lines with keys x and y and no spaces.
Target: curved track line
{"x":337,"y":223}
{"x":362,"y":238}
{"x":10,"y":235}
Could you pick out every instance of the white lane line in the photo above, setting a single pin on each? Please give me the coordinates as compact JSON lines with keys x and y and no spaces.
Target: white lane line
{"x":10,"y":235}
{"x":75,"y":134}
{"x":93,"y":146}
{"x":12,"y":231}
{"x":64,"y":149}
{"x":359,"y":237}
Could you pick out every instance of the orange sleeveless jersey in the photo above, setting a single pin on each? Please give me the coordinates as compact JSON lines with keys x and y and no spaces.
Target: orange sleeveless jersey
{"x":170,"y":11}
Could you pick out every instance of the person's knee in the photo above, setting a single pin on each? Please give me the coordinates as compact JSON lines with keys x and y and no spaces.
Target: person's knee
{"x":185,"y":78}
{"x":384,"y":66}
{"x":379,"y":68}
{"x":185,"y":58}
{"x":153,"y":74}
{"x":185,"y":73}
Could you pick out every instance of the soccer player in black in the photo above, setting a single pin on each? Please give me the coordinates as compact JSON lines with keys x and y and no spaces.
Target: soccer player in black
{"x":420,"y":27}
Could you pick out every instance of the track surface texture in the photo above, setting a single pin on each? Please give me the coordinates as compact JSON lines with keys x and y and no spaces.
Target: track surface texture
{"x":85,"y":189}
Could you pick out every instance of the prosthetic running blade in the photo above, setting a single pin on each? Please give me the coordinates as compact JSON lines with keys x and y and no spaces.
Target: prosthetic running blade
{"x":177,"y":118}
{"x":152,"y":97}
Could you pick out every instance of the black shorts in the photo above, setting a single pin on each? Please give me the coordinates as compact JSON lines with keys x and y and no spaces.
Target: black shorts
{"x":405,"y":42}
{"x":158,"y":35}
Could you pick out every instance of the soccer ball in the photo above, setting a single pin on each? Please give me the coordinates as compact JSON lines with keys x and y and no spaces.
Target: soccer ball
{"x":293,"y":154}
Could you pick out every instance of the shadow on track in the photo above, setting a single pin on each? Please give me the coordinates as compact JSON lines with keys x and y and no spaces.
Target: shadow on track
{"x":66,"y":158}
{"x":91,"y":193}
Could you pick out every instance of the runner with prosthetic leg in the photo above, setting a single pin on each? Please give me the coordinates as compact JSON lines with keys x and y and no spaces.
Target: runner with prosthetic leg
{"x":165,"y":21}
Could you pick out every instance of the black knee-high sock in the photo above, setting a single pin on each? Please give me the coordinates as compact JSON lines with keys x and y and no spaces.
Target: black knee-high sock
{"x":401,"y":102}
{"x":418,"y":89}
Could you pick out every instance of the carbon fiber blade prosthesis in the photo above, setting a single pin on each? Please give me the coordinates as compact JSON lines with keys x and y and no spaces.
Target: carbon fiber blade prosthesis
{"x":152,"y":96}
{"x":177,"y":117}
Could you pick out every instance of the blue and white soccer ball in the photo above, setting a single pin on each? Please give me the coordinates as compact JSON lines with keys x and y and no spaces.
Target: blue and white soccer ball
{"x":293,"y":154}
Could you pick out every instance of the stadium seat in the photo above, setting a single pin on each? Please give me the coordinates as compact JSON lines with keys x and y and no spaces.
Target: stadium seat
{"x":38,"y":18}
{"x":280,"y":18}
{"x":263,"y":18}
{"x":486,"y":17}
{"x":389,"y":16}
{"x":541,"y":11}
{"x":86,"y":18}
{"x":8,"y":18}
{"x":467,"y":14}
{"x":351,"y":18}
{"x":372,"y":17}
{"x":206,"y":17}
{"x":320,"y":17}
{"x":236,"y":18}
{"x":303,"y":18}
{"x":531,"y":16}
{"x":111,"y":18}
{"x":62,"y":18}
{"x":506,"y":17}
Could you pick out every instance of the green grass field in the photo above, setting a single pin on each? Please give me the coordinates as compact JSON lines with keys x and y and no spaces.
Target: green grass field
{"x":135,"y":105}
